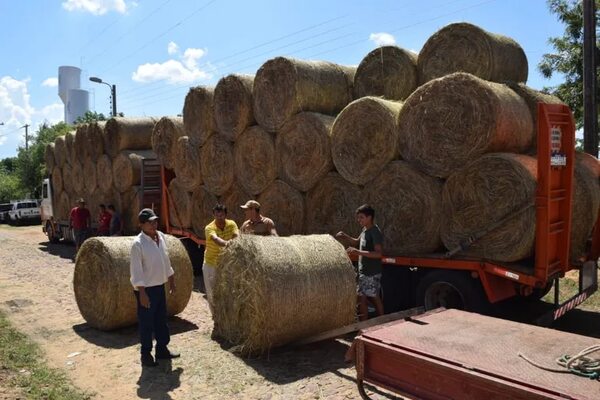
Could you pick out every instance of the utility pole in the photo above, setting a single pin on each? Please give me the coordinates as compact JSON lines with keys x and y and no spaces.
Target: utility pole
{"x":26,"y":126}
{"x":113,"y":94}
{"x":590,"y":112}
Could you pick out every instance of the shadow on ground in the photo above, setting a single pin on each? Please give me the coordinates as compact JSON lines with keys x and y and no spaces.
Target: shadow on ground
{"x":155,"y":383}
{"x":125,"y":337}
{"x":62,"y":250}
{"x":581,"y":322}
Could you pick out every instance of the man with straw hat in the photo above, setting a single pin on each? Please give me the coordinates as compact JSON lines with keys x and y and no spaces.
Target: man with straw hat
{"x":255,"y":223}
{"x":80,"y":220}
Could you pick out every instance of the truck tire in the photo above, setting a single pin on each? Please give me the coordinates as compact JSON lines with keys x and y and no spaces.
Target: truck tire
{"x":452,"y":289}
{"x":52,"y":236}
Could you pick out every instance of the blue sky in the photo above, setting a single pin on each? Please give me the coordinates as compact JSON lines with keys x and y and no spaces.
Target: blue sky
{"x":154,"y":50}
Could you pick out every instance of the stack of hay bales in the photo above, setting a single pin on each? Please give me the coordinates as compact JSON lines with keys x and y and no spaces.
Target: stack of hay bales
{"x":101,"y":162}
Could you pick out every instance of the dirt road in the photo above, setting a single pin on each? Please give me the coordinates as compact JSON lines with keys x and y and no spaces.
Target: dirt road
{"x":37,"y":295}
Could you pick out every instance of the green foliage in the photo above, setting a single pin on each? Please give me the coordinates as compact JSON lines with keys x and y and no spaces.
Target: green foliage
{"x":10,"y":189}
{"x":90,"y":116}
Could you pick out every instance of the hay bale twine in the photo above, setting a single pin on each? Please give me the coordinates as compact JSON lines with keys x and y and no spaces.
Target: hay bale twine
{"x":303,"y":149}
{"x":216,"y":161}
{"x":233,"y":199}
{"x":364,"y":138}
{"x":331,"y":205}
{"x":127,"y":168}
{"x":49,"y":157}
{"x":198,"y":114}
{"x":70,"y":147}
{"x":187,"y":163}
{"x":180,"y":205}
{"x":127,"y":134}
{"x":164,"y":138}
{"x":451,"y":121}
{"x":77,"y":177}
{"x":81,"y":143}
{"x":387,"y":71}
{"x":104,"y":174}
{"x":233,"y":105}
{"x":130,"y":205}
{"x":463,"y":47}
{"x":254,"y":160}
{"x":271,"y":291}
{"x":203,"y":202}
{"x":60,"y":151}
{"x":485,"y":193}
{"x":285,"y":206}
{"x":586,"y":201}
{"x":95,"y":139}
{"x":67,"y":179}
{"x":285,"y":86}
{"x":57,"y":179}
{"x":89,"y":174}
{"x":101,"y":281}
{"x":408,"y":209}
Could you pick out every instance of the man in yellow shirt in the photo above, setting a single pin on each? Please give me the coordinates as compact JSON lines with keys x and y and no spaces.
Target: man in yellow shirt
{"x":218,"y":234}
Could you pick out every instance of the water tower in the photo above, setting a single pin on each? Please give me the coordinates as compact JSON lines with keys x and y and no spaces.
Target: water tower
{"x":76,"y":100}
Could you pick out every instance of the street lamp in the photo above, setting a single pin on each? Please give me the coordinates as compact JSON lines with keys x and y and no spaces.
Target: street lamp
{"x":113,"y":93}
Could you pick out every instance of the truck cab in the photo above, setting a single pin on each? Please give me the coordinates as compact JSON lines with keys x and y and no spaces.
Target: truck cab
{"x":53,"y":228}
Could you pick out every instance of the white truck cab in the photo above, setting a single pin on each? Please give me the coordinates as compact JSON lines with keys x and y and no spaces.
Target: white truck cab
{"x":53,"y":228}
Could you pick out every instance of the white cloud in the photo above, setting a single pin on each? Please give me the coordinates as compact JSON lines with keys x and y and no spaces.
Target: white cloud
{"x":50,"y":82}
{"x":382,"y":39}
{"x":174,"y":71}
{"x":172,"y":48}
{"x":97,"y":7}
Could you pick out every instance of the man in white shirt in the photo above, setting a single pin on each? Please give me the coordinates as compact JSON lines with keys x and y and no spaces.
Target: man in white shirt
{"x":150,"y":269}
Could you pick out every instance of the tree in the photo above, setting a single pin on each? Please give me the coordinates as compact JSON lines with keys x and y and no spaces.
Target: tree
{"x":9,"y":187}
{"x":90,"y":116}
{"x":568,"y":56}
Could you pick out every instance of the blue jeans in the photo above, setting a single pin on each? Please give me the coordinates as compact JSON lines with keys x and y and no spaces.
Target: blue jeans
{"x":153,"y":320}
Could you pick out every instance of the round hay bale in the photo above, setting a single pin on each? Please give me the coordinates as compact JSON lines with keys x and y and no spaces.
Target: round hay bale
{"x":104,"y":174}
{"x":407,"y":209}
{"x":63,"y":206}
{"x":57,"y":180}
{"x":387,"y":71}
{"x":285,"y":206}
{"x":463,"y":47}
{"x":77,"y":177}
{"x":81,"y":143}
{"x":60,"y":151}
{"x":101,"y":281}
{"x":271,"y":291}
{"x":164,"y":138}
{"x":233,"y":105}
{"x":198,"y":114}
{"x":127,"y":134}
{"x":89,"y":174}
{"x":285,"y":86}
{"x":49,"y":157}
{"x":254,"y":160}
{"x":67,"y":179}
{"x":127,"y":168}
{"x":331,"y":205}
{"x":303,"y":149}
{"x":95,"y":139}
{"x":586,"y":201}
{"x":202,"y":204}
{"x":187,"y":163}
{"x":70,"y":147}
{"x":130,"y":206}
{"x":488,"y":192}
{"x":180,"y":205}
{"x":233,"y":199}
{"x":364,"y":138}
{"x":451,"y":121}
{"x":216,"y":161}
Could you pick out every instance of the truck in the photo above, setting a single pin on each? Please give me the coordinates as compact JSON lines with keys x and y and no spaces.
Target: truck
{"x":473,"y":284}
{"x":54,"y":228}
{"x":4,"y":209}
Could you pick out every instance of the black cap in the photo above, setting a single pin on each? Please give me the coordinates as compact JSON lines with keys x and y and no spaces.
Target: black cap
{"x":147,"y":215}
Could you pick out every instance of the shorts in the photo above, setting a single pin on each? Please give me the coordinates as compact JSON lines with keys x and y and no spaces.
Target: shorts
{"x":369,"y":285}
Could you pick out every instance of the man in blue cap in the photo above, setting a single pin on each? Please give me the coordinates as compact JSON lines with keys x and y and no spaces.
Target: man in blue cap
{"x":150,"y":269}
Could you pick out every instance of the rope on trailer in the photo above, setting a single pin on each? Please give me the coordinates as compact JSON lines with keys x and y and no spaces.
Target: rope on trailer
{"x":579,"y":364}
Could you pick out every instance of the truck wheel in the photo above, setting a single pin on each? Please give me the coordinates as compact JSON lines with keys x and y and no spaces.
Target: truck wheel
{"x":451,"y":289}
{"x":52,"y":237}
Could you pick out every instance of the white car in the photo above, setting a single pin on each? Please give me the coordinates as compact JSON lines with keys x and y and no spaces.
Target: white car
{"x":25,"y":211}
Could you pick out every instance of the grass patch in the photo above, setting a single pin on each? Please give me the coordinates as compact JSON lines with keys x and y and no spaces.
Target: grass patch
{"x":568,"y":288}
{"x":28,"y":370}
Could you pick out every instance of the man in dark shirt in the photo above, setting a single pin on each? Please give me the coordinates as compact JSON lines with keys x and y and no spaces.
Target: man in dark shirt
{"x":116,"y":223}
{"x":370,"y":244}
{"x":255,"y":223}
{"x":104,"y":218}
{"x":80,"y":221}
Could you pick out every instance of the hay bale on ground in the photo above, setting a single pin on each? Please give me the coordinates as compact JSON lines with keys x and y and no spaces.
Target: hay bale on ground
{"x":81,"y":143}
{"x":67,"y":179}
{"x":233,"y":105}
{"x":285,"y":206}
{"x":104,"y":174}
{"x":586,"y":200}
{"x":77,"y":177}
{"x":187,"y":163}
{"x":101,"y":281}
{"x":254,"y":160}
{"x":95,"y":139}
{"x":198,"y":114}
{"x":164,"y":138}
{"x":89,"y":174}
{"x":303,"y":149}
{"x":128,"y":134}
{"x":485,"y":193}
{"x":407,"y":209}
{"x":387,"y":71}
{"x":127,"y":168}
{"x":451,"y":121}
{"x":285,"y":86}
{"x":180,"y":205}
{"x":270,"y":291}
{"x":331,"y":205}
{"x":49,"y":157}
{"x":70,"y":147}
{"x":463,"y":47}
{"x":364,"y":138}
{"x":216,"y":160}
{"x":130,"y":205}
{"x":57,"y":179}
{"x":202,"y":204}
{"x":233,"y":199}
{"x":60,"y":151}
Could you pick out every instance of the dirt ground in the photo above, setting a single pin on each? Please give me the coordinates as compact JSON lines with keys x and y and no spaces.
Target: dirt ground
{"x":37,"y":295}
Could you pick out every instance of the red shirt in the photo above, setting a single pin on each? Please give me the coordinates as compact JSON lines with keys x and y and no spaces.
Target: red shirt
{"x":104,"y":222}
{"x":80,"y":217}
